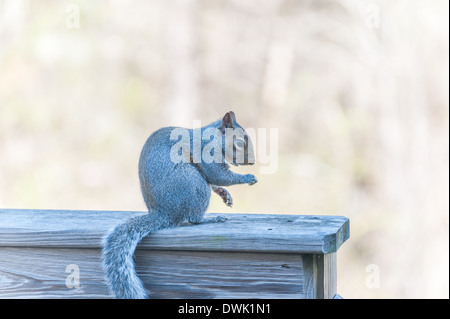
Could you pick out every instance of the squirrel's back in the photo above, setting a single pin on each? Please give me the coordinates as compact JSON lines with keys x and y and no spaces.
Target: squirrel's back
{"x":166,"y":185}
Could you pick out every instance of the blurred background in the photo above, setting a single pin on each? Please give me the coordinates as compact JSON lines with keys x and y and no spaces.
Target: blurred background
{"x":358,"y":91}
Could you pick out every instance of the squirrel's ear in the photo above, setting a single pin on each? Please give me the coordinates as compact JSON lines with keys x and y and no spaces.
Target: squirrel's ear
{"x":232,"y":115}
{"x":227,"y":121}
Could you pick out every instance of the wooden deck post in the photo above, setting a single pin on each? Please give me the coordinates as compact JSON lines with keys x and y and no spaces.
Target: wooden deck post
{"x":56,"y":254}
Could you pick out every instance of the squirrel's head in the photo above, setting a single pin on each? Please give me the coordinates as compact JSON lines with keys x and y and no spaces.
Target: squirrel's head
{"x":236,"y":143}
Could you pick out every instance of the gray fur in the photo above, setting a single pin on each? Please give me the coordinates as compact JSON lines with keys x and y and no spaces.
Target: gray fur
{"x":173,"y":193}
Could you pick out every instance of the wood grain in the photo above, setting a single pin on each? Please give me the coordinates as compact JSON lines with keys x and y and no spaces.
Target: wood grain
{"x":241,"y":232}
{"x":195,"y":274}
{"x":41,"y":273}
{"x":248,"y":256}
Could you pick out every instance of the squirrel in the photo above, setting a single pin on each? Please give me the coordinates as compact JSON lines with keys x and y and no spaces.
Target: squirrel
{"x":176,"y":191}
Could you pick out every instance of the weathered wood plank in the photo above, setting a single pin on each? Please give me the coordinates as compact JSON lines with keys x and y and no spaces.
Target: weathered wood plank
{"x":330,"y":275}
{"x":320,"y":275}
{"x":192,"y":274}
{"x":41,"y":273}
{"x":241,"y":232}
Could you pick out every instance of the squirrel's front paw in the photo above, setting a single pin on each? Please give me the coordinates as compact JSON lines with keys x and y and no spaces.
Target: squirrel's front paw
{"x":250,"y":179}
{"x":223,"y":193}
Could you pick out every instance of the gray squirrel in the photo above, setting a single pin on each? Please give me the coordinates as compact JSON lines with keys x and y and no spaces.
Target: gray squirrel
{"x":176,"y":185}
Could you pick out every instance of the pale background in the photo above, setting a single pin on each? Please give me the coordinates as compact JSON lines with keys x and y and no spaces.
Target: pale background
{"x":357,"y":89}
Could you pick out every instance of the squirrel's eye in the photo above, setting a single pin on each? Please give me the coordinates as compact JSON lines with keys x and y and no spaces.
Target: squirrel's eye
{"x":239,"y":143}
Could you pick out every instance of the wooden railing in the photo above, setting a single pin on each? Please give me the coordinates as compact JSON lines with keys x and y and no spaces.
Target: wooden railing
{"x":57,"y":254}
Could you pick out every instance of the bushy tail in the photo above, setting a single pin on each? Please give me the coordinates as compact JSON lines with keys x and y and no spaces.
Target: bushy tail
{"x":118,"y":251}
